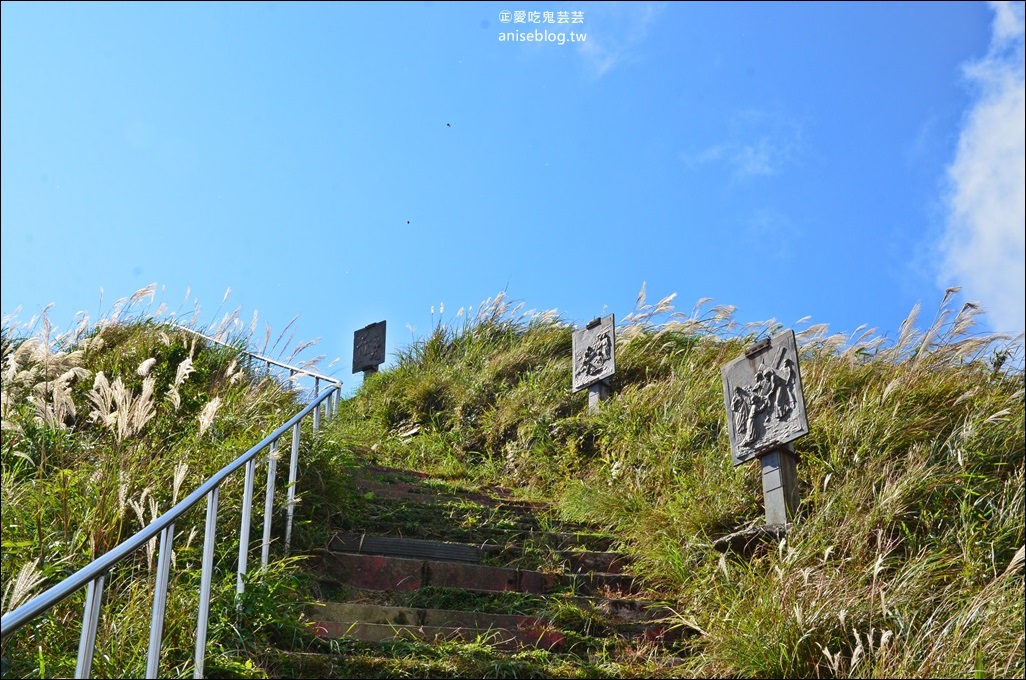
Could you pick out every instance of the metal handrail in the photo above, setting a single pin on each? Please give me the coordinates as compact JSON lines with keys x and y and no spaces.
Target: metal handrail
{"x":92,"y":576}
{"x":260,"y":357}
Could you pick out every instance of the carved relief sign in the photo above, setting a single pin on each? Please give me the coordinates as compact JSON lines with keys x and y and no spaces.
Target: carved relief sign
{"x":763,"y":395}
{"x":594,"y":353}
{"x":369,"y":347}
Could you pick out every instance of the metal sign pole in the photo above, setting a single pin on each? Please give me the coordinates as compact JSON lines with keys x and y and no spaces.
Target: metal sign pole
{"x":780,"y":484}
{"x":597,"y":393}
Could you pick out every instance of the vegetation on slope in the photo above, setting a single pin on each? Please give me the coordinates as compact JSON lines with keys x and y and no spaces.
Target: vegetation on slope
{"x":906,"y":557}
{"x":104,"y":429}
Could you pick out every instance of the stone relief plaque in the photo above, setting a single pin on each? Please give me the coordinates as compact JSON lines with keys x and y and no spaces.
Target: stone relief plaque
{"x":369,"y":347}
{"x":763,"y":395}
{"x":594,"y":352}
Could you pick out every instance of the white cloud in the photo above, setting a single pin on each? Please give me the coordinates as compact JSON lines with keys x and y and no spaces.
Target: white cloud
{"x":984,"y":249}
{"x":760,"y":158}
{"x":758,"y":144}
{"x":613,"y":31}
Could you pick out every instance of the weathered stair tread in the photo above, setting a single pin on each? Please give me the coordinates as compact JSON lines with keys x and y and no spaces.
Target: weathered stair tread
{"x":500,"y":638}
{"x":414,"y":483}
{"x":349,"y":612}
{"x":590,"y":582}
{"x":404,"y":547}
{"x":429,"y":526}
{"x":405,"y":491}
{"x":491,"y":537}
{"x":623,"y":609}
{"x":383,"y":572}
{"x":379,"y":572}
{"x":334,"y":619}
{"x":591,"y":541}
{"x":447,"y":551}
{"x":592,"y":560}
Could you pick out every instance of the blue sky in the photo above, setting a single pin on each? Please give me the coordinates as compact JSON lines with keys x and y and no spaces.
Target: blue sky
{"x":349,"y":163}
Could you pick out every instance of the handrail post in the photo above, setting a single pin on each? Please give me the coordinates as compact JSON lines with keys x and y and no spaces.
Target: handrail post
{"x":90,"y":619}
{"x":290,"y":503}
{"x":272,"y":463}
{"x":247,"y":511}
{"x":317,"y":409}
{"x":160,"y":600}
{"x":205,"y":582}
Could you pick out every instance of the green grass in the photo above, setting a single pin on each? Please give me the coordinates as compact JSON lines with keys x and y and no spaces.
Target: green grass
{"x":104,"y":429}
{"x":905,"y":559}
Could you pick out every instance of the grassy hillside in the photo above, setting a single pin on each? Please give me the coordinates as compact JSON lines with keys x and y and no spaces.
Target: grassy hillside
{"x":104,"y":429}
{"x":906,"y":557}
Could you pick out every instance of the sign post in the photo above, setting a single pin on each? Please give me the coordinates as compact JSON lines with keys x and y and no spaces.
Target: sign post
{"x":765,"y":414}
{"x":594,"y":350}
{"x":369,"y":349}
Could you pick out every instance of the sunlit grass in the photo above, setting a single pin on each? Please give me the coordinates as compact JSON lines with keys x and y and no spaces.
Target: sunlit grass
{"x":906,"y":556}
{"x":105,"y":427}
{"x":903,"y":560}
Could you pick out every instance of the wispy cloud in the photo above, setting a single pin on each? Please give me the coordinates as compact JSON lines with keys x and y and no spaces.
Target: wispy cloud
{"x":614,"y":30}
{"x":984,"y":248}
{"x":758,"y":144}
{"x":770,"y":233}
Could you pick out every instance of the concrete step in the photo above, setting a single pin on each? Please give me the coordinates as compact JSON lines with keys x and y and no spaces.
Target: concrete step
{"x":444,"y":551}
{"x":598,"y":583}
{"x":414,"y":483}
{"x":462,"y":513}
{"x":379,"y":572}
{"x":414,"y":493}
{"x":499,"y":533}
{"x":349,"y":612}
{"x":589,"y":560}
{"x":628,"y":610}
{"x":376,"y":623}
{"x":382,"y":572}
{"x":404,"y":547}
{"x":501,"y":638}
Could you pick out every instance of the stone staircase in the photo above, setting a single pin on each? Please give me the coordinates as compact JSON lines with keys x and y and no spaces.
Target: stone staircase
{"x":425,"y":561}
